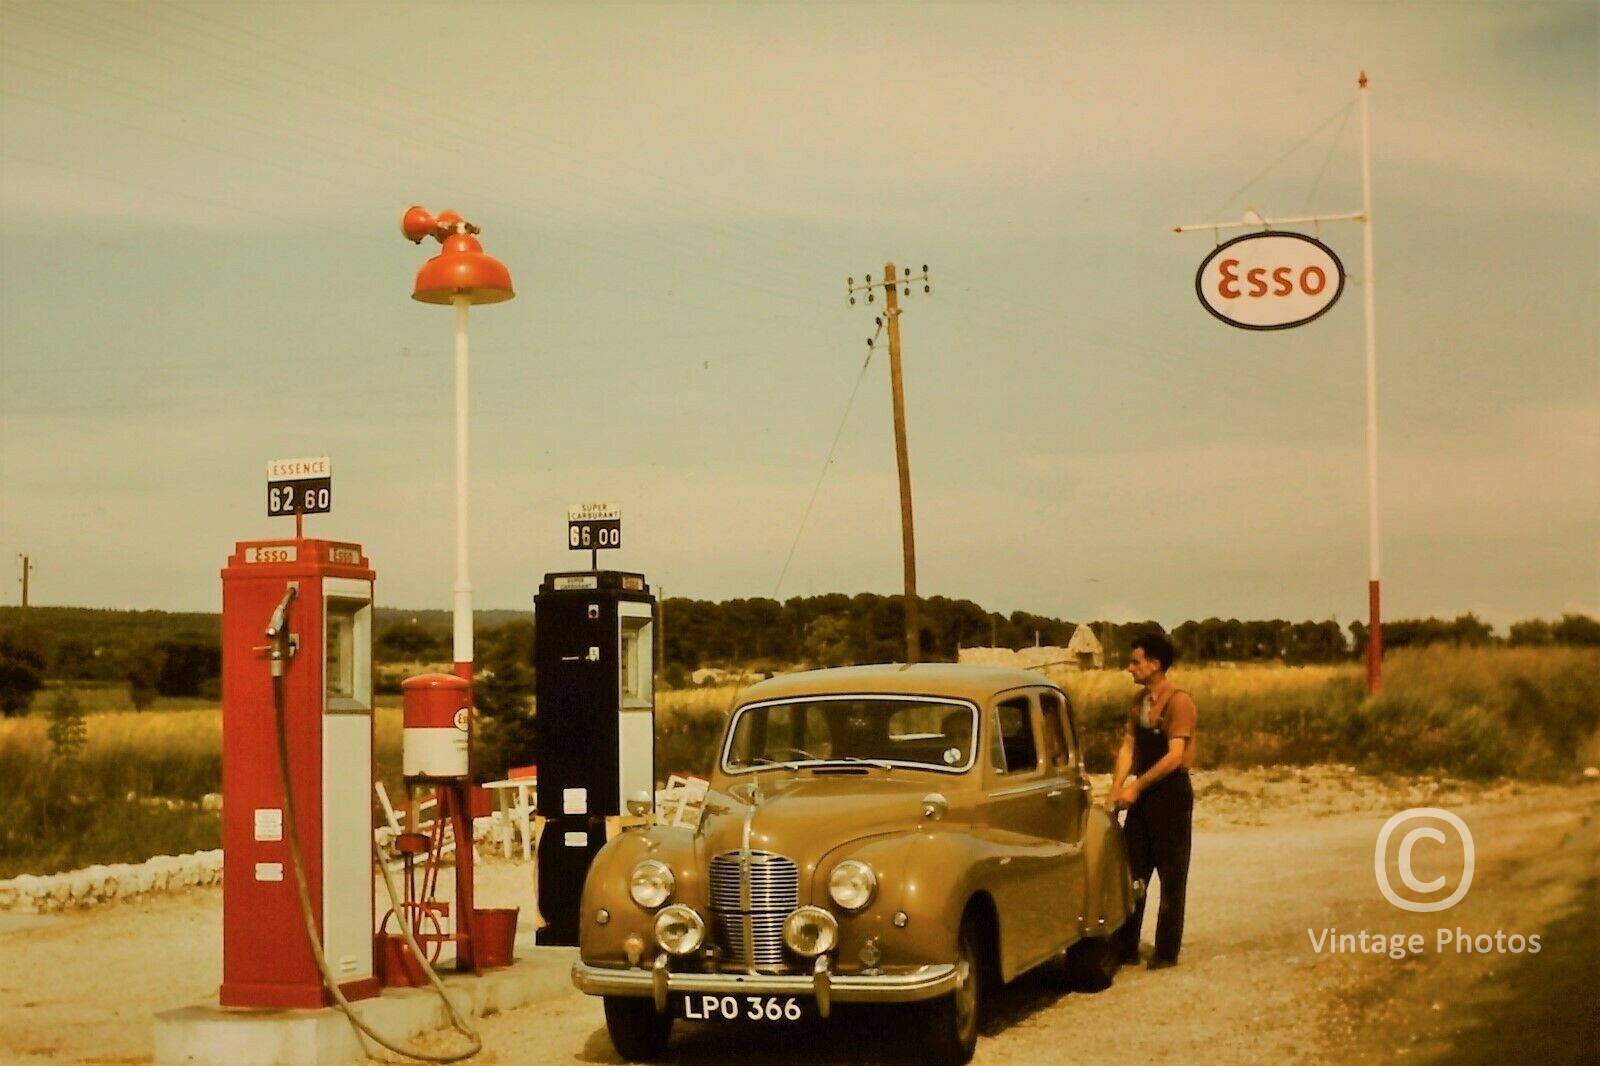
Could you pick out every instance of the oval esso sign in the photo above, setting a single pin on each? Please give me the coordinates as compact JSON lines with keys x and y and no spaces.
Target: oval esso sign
{"x":1270,"y":280}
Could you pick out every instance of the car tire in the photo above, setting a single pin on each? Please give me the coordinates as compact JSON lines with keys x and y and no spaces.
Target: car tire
{"x":952,"y":1021}
{"x":637,"y":1030}
{"x":1092,"y":964}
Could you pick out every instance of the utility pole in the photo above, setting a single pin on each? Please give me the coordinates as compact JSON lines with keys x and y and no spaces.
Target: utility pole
{"x":908,"y":541}
{"x":27,"y":568}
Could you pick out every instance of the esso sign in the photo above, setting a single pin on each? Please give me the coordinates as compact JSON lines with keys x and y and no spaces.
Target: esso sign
{"x":1270,"y":280}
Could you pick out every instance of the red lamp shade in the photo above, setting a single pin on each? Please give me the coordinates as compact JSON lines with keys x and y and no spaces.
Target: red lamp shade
{"x":462,"y":268}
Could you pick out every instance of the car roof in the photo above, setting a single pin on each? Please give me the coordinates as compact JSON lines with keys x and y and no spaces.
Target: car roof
{"x":972,"y":681}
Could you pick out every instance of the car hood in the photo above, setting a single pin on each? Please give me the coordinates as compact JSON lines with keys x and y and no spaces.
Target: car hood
{"x":805,"y":817}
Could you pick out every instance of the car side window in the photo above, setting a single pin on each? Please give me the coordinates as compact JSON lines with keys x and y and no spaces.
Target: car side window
{"x":1057,"y":738}
{"x":1013,"y":749}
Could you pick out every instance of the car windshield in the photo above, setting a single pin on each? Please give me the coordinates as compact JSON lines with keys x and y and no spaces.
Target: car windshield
{"x":899,"y":731}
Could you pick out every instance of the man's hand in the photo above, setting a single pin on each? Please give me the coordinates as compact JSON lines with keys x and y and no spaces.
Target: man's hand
{"x":1129,"y":794}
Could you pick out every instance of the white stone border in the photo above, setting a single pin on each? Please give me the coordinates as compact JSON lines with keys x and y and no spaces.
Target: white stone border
{"x":93,"y":885}
{"x":34,"y":894}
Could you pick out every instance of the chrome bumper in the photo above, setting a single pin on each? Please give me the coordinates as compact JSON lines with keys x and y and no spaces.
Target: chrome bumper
{"x":658,"y":982}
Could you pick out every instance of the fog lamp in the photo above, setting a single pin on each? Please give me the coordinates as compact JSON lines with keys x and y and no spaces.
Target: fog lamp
{"x":810,"y":931}
{"x":680,"y":930}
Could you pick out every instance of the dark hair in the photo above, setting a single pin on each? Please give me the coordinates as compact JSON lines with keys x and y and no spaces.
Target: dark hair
{"x":1155,"y":645}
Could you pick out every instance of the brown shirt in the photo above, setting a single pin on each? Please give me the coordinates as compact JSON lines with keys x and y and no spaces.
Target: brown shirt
{"x":1170,"y":710}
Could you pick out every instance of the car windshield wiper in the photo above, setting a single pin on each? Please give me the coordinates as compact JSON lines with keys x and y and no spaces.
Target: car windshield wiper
{"x":882,"y":764}
{"x":761,"y":762}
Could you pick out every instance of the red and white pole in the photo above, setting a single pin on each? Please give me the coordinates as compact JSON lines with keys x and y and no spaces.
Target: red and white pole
{"x":1374,"y":612}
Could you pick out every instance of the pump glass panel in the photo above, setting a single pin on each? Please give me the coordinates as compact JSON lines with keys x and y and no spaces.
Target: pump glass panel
{"x":347,"y":662}
{"x":634,"y":663}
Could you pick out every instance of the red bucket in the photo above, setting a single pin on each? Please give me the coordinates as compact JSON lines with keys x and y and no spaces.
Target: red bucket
{"x":398,"y":967}
{"x":495,"y":934}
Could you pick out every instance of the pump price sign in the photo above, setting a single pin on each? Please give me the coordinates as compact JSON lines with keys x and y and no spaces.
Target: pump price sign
{"x":299,"y":486}
{"x":592,"y":526}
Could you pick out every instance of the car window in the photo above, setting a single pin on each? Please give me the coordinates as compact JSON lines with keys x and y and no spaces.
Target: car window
{"x":905,"y":731}
{"x":1013,"y":749}
{"x":1057,"y":738}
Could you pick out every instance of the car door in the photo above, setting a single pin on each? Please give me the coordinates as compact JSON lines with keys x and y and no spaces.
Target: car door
{"x":1068,"y":797}
{"x":1034,"y":918}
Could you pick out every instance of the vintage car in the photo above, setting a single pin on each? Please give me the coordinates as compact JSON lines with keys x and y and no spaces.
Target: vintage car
{"x":880,"y":834}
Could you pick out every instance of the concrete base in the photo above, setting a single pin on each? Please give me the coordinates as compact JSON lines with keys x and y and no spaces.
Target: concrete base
{"x":209,"y":1035}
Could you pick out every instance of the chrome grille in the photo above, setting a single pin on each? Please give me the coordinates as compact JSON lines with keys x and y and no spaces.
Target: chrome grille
{"x":774,"y":883}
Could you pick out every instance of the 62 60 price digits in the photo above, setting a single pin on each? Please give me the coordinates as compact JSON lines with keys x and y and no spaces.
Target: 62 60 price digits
{"x":299,"y":497}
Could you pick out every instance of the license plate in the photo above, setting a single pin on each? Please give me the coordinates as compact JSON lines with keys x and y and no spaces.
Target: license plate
{"x":710,"y":1007}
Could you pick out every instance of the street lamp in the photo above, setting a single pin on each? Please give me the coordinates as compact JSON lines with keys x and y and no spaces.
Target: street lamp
{"x":461,"y":275}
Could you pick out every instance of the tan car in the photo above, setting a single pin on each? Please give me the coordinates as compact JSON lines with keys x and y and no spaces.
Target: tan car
{"x":876,"y":834}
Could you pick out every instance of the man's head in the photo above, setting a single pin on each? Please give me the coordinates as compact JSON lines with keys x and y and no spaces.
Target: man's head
{"x":1152,"y":656}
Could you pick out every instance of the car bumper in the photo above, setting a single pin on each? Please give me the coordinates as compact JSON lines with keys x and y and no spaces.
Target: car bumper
{"x":826,"y":987}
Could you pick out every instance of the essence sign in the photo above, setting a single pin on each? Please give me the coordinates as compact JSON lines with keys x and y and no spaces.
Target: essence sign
{"x":1270,"y":280}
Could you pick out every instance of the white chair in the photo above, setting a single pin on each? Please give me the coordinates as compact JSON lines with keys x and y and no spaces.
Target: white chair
{"x":681,"y":801}
{"x":516,"y":804}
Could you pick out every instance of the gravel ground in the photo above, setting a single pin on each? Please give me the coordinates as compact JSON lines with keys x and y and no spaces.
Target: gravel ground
{"x":1279,"y":856}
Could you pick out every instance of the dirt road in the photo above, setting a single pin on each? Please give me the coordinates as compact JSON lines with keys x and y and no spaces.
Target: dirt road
{"x":1278,"y":858}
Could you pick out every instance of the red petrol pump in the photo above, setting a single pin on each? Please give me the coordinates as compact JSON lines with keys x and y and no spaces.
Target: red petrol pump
{"x":296,"y":617}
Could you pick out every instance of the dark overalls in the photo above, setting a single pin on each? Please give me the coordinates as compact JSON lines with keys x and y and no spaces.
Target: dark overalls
{"x":1158,"y":831}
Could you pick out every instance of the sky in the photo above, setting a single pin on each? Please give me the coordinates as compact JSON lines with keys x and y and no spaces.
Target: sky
{"x":202,"y":271}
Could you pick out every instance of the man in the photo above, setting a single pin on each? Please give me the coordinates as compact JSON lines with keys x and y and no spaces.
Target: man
{"x":1158,"y":748}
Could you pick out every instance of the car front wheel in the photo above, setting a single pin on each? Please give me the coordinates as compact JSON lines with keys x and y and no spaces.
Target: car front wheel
{"x":952,"y":1033}
{"x":637,"y":1030}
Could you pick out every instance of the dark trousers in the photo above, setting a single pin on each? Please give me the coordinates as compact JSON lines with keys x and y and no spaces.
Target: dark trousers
{"x":1158,"y":832}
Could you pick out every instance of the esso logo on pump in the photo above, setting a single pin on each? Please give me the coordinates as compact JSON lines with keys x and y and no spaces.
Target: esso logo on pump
{"x":1270,"y":280}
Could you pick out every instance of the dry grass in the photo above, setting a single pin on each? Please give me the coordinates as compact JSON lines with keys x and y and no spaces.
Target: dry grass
{"x":135,"y":789}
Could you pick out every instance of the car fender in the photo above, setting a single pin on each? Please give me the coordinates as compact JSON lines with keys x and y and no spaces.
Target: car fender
{"x":1109,"y":892}
{"x":605,"y":887}
{"x":930,"y":875}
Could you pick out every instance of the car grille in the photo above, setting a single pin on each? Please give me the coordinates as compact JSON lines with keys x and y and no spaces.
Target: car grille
{"x":774,"y":893}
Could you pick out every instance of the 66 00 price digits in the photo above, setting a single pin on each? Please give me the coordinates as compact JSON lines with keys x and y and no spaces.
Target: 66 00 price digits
{"x":594,"y":535}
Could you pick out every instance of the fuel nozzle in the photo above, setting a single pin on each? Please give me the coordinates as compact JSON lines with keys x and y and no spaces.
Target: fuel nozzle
{"x":282,"y":643}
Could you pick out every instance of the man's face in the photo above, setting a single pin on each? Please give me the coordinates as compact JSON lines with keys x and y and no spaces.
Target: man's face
{"x":1143,"y":670}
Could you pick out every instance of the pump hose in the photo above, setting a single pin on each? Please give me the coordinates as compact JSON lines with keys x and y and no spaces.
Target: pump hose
{"x":457,"y":1022}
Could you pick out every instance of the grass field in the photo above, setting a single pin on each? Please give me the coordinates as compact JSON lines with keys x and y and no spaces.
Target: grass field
{"x":135,"y":790}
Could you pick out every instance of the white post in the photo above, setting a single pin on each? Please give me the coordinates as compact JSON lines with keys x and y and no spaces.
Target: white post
{"x":463,"y":585}
{"x":1374,"y":621}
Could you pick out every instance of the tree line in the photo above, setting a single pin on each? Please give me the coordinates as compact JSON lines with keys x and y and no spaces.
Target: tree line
{"x":156,"y":653}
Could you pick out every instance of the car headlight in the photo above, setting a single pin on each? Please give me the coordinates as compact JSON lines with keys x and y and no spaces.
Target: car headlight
{"x":680,"y":930}
{"x":651,"y":884}
{"x":852,"y":884}
{"x":810,"y":931}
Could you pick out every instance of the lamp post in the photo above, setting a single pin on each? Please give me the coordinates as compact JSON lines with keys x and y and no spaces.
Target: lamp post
{"x":461,"y":275}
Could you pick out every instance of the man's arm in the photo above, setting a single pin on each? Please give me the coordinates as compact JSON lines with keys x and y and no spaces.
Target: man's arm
{"x":1120,"y":772}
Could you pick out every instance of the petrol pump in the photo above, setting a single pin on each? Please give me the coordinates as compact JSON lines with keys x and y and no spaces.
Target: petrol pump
{"x":594,"y":658}
{"x":296,"y":652}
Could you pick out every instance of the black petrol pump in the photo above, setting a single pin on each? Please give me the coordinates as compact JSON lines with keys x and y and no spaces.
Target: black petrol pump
{"x":594,"y":653}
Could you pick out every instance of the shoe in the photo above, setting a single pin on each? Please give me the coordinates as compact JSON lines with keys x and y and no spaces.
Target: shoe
{"x":1158,"y":963}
